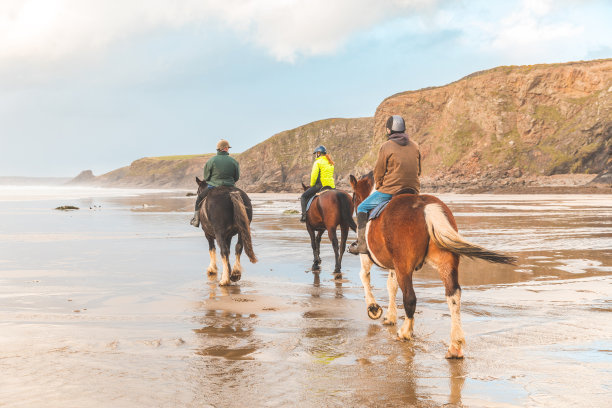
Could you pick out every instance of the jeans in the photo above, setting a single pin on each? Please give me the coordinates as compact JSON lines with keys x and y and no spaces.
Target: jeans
{"x":372,"y":201}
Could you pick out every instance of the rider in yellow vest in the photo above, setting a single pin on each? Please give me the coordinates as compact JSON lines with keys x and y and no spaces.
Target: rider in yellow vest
{"x":322,"y":175}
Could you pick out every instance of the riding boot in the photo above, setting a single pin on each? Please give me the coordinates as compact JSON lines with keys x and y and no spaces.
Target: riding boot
{"x":303,"y":201}
{"x":195,"y":221}
{"x":360,"y":246}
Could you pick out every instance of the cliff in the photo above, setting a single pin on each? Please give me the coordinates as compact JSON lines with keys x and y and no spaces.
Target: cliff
{"x":509,"y":127}
{"x":283,"y":161}
{"x":151,"y":172}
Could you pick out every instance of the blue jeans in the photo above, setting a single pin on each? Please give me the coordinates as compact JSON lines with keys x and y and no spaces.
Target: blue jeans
{"x":372,"y":201}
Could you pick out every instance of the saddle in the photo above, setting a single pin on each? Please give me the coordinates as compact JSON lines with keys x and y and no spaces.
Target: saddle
{"x":318,"y":193}
{"x":376,"y":211}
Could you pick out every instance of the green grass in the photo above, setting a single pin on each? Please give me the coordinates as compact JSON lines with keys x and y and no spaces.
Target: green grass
{"x":460,"y":141}
{"x":548,"y":114}
{"x":181,"y":157}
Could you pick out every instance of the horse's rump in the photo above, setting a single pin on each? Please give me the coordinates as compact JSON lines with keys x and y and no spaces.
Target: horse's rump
{"x":218,"y":209}
{"x":424,"y":218}
{"x":337,"y":205}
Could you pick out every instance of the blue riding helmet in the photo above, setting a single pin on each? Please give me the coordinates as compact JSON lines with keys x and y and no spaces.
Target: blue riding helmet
{"x":321,"y":149}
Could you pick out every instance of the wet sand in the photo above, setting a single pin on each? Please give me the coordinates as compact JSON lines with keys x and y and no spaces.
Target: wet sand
{"x":111,"y":306}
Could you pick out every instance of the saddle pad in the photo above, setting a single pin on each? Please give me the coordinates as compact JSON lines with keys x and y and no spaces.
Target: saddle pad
{"x":377,"y":210}
{"x":324,"y":190}
{"x":309,"y":202}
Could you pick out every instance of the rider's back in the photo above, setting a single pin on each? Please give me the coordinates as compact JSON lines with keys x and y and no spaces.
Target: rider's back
{"x":402,"y":167}
{"x":221,"y":170}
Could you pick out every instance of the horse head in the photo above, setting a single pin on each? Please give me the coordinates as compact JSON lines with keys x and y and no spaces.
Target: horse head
{"x":362,"y":187}
{"x":202,"y":185}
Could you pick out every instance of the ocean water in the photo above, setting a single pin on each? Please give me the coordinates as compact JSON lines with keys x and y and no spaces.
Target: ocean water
{"x":111,"y":305}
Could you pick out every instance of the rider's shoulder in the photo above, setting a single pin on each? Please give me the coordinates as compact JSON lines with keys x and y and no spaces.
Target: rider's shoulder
{"x":412,"y":142}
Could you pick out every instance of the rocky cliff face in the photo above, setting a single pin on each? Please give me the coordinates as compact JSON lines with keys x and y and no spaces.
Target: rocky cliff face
{"x":508,"y":127}
{"x":151,"y":172}
{"x":510,"y":123}
{"x":283,"y":161}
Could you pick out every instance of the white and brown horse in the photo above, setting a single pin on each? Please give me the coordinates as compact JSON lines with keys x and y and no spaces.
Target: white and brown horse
{"x":414,"y":229}
{"x":225,"y":212}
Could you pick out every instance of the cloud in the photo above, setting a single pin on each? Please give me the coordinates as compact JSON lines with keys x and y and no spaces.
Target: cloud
{"x":538,"y":30}
{"x":54,"y":29}
{"x":34,"y":31}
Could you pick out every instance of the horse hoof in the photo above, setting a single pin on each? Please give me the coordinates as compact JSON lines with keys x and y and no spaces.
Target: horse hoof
{"x":453,"y":353}
{"x":374,"y":311}
{"x":388,"y":322}
{"x":316,"y":267}
{"x":235,"y":278}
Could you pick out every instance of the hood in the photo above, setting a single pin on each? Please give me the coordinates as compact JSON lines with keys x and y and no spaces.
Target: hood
{"x":399,"y":138}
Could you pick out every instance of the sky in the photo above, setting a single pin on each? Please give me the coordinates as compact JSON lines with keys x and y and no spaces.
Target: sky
{"x":94,"y":85}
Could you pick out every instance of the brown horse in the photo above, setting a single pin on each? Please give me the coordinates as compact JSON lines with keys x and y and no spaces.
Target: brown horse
{"x":225,"y":212}
{"x":414,"y":229}
{"x":327,"y":211}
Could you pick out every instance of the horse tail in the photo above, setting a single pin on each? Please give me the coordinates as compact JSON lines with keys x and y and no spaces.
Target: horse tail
{"x":446,"y":237}
{"x":346,"y":215}
{"x":242,"y":221}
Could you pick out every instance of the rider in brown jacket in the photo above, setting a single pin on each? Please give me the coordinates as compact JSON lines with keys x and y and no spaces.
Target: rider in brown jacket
{"x":398,"y":167}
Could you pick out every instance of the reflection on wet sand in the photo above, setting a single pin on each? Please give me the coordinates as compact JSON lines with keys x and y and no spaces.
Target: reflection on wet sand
{"x":155,"y":330}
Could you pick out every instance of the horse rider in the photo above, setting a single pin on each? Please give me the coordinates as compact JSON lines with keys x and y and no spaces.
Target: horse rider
{"x":220,"y":170}
{"x":322,"y":175}
{"x":397,"y":168}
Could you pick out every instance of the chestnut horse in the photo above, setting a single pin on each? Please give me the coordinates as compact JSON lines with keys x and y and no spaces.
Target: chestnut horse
{"x":225,"y":212}
{"x":330,"y":209}
{"x":414,"y":229}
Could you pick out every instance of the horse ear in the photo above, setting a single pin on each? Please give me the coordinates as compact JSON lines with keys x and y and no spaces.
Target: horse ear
{"x":304,"y":186}
{"x":370,"y":175}
{"x":353,"y":181}
{"x":198,"y":181}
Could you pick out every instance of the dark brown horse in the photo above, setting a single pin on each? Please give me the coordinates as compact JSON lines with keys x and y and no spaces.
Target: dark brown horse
{"x":327,"y":211}
{"x":414,"y":229}
{"x":225,"y":212}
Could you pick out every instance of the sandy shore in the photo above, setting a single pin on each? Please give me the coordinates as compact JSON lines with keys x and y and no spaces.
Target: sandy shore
{"x":112,"y":307}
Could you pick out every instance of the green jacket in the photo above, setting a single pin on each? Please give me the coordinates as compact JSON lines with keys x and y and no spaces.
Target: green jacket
{"x":221,"y":170}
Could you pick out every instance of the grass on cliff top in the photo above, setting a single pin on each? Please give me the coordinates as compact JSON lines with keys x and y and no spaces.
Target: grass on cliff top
{"x":186,"y":156}
{"x":180,"y":157}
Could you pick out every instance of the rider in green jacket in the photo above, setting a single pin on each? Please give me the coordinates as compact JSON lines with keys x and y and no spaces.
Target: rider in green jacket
{"x":220,"y":170}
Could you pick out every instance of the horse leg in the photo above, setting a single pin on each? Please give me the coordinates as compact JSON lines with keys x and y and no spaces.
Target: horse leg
{"x":237,"y":268}
{"x":391,"y":315}
{"x":374,"y":310}
{"x":212,"y":268}
{"x":343,"y":236}
{"x":448,"y":268}
{"x":404,"y":279}
{"x":315,"y":248}
{"x":333,"y":237}
{"x":224,"y":243}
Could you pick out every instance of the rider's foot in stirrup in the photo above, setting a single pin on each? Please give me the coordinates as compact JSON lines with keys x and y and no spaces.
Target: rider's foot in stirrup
{"x":357,"y":249}
{"x":195,"y":222}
